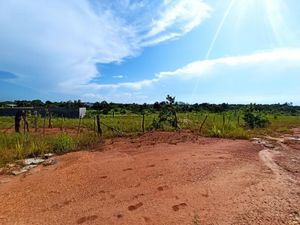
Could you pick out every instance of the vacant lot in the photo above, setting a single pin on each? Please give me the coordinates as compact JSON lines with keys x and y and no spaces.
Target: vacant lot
{"x":161,"y":178}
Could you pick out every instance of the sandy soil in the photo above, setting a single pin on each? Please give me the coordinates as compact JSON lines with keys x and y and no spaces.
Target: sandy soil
{"x":160,"y":178}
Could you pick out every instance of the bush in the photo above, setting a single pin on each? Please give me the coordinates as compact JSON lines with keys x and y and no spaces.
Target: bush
{"x":255,"y":120}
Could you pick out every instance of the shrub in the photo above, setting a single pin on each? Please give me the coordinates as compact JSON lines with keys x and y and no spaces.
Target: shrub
{"x":254,"y":119}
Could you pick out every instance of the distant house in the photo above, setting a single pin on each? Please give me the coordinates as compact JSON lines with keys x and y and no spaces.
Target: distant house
{"x":11,"y":105}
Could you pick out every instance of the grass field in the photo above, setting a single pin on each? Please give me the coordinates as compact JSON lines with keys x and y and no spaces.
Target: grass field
{"x":229,"y":125}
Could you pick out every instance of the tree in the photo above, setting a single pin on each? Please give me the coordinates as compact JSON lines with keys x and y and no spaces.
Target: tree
{"x":167,"y":114}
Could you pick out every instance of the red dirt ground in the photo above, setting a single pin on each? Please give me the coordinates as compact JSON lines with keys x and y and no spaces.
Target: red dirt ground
{"x":160,"y":178}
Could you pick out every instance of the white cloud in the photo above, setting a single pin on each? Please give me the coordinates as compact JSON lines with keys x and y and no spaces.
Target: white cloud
{"x":261,"y":76}
{"x":203,"y":67}
{"x":118,"y":76}
{"x":55,"y":45}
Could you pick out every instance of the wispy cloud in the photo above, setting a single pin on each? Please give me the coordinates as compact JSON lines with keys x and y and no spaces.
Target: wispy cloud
{"x":118,"y":76}
{"x":55,"y":45}
{"x":282,"y":58}
{"x":200,"y":68}
{"x":177,"y":19}
{"x":258,"y":77}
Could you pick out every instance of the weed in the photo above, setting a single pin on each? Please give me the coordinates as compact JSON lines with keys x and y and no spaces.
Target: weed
{"x":63,"y":143}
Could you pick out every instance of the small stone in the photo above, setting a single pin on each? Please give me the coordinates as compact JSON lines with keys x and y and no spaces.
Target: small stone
{"x":33,"y":161}
{"x":18,"y":172}
{"x":11,"y":165}
{"x":29,"y":167}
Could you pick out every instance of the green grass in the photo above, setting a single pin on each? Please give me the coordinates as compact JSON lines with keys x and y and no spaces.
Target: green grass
{"x":17,"y":146}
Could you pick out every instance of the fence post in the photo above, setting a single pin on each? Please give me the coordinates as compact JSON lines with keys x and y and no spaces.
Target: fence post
{"x":223,"y":121}
{"x":203,"y":123}
{"x":143,"y":123}
{"x":94,"y":125}
{"x":44,"y":125}
{"x":62,"y":123}
{"x":35,"y":121}
{"x":18,"y":118}
{"x":79,"y":124}
{"x":99,"y":126}
{"x":50,"y":120}
{"x":26,"y":125}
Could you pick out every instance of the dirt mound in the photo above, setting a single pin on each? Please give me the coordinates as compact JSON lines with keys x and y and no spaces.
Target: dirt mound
{"x":158,"y":178}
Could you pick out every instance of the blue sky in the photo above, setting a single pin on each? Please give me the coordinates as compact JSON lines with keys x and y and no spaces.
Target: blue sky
{"x":235,"y":51}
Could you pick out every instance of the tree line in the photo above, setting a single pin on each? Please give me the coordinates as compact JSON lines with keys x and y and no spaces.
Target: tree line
{"x":123,"y":108}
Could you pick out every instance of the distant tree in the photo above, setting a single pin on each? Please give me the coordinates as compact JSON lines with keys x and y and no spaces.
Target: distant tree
{"x":156,"y":106}
{"x":96,"y":106}
{"x":37,"y":103}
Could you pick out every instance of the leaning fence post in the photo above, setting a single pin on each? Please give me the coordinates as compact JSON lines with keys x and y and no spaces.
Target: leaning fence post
{"x":143,"y":123}
{"x":203,"y":122}
{"x":99,"y":126}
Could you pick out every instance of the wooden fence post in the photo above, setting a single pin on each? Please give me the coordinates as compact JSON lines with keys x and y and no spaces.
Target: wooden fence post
{"x":18,"y":118}
{"x":203,"y":123}
{"x":99,"y":130}
{"x":94,"y":125}
{"x":143,"y":123}
{"x":35,"y":121}
{"x":50,"y":120}
{"x":223,"y":121}
{"x":62,"y":123}
{"x":79,"y":124}
{"x":26,"y":125}
{"x":44,"y":125}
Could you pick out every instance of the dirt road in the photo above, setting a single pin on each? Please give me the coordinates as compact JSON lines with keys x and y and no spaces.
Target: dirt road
{"x":161,"y":178}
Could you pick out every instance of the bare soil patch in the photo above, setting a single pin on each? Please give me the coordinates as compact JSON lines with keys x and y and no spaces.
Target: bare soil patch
{"x":160,"y":178}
